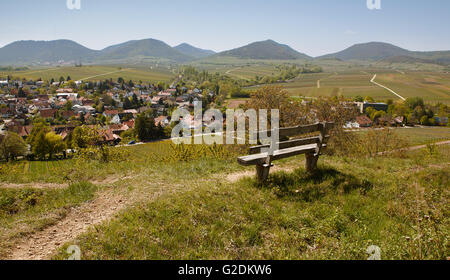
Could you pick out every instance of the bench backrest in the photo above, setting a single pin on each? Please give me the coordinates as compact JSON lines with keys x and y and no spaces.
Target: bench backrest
{"x":321,"y":139}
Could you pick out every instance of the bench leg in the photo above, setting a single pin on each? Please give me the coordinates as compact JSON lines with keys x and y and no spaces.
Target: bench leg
{"x":262,"y":171}
{"x":311,"y":162}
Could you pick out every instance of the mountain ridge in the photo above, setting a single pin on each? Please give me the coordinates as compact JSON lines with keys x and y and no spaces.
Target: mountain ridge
{"x":27,"y":52}
{"x":192,"y":51}
{"x":267,"y":49}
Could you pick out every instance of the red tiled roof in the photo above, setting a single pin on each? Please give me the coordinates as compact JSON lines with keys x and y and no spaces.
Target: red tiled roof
{"x":129,"y":123}
{"x":47,"y":113}
{"x":363,"y":120}
{"x":111,"y":112}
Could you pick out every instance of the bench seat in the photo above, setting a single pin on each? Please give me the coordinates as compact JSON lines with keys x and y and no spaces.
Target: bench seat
{"x":280,"y":154}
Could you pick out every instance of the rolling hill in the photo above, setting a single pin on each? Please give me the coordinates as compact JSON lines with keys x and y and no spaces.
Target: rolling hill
{"x":379,"y":51}
{"x":143,"y":48}
{"x":265,"y":50}
{"x":29,"y":52}
{"x":369,"y":51}
{"x":52,"y":52}
{"x":193,"y":51}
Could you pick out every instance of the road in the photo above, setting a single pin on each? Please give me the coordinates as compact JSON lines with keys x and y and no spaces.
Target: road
{"x":380,"y":85}
{"x":87,"y":78}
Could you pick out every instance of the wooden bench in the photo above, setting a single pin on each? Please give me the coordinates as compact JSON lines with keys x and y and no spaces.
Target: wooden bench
{"x":310,"y":146}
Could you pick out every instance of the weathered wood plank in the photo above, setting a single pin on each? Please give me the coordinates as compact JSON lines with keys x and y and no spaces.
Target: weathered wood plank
{"x":287,"y":144}
{"x":298,"y":130}
{"x":280,"y":154}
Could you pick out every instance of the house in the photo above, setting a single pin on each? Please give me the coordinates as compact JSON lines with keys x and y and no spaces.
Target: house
{"x":64,"y":90}
{"x":84,"y":109}
{"x":386,"y":121}
{"x":87,"y":102}
{"x":118,"y":128}
{"x":66,"y":95}
{"x":22,"y":131}
{"x":129,"y":123}
{"x":47,"y":113}
{"x":162,"y":120}
{"x":400,"y":121}
{"x":68,"y":114}
{"x":364,"y":121}
{"x":110,"y":113}
{"x":156,"y":100}
{"x":109,"y":137}
{"x":362,"y":106}
{"x":6,"y":112}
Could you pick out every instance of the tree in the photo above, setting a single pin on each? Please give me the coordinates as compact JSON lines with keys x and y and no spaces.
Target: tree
{"x":424,"y":120}
{"x":146,"y":129}
{"x":414,"y":102}
{"x":38,"y":127}
{"x":54,"y":144}
{"x":39,"y":145}
{"x":21,"y":93}
{"x":78,"y":140}
{"x":369,"y":99}
{"x":12,"y":146}
{"x":127,"y":103}
{"x":68,"y":106}
{"x":359,"y":99}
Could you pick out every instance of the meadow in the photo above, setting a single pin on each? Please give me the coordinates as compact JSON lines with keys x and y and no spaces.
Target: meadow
{"x":95,"y":73}
{"x":197,"y":203}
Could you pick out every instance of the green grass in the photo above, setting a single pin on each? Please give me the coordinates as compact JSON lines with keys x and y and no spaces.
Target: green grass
{"x":424,"y":135}
{"x":186,"y":208}
{"x":24,"y":211}
{"x":96,"y":73}
{"x":398,"y":204}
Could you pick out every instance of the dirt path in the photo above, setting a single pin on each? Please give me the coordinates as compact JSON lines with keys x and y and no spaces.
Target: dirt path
{"x":43,"y":244}
{"x":234,"y":177}
{"x":390,"y":90}
{"x":33,"y":186}
{"x":415,"y":148}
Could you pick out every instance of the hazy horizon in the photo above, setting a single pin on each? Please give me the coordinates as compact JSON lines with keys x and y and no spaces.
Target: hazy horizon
{"x":316,"y":29}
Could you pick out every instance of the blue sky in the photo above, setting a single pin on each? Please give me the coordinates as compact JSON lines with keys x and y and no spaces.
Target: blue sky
{"x":314,"y":27}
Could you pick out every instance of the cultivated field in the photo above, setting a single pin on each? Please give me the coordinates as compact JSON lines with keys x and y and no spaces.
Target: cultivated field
{"x":433,"y":87}
{"x":94,"y":73}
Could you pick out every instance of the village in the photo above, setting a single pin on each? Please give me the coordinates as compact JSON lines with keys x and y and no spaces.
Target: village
{"x":112,"y":108}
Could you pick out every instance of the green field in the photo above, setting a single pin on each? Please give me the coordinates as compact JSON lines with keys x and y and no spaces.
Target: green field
{"x":94,"y":73}
{"x":433,"y":87}
{"x":198,"y":203}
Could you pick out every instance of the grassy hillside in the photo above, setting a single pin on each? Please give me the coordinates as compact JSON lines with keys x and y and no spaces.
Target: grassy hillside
{"x":96,"y":73}
{"x":376,"y":51}
{"x":205,"y":206}
{"x":193,"y":51}
{"x":31,"y":52}
{"x":142,"y":48}
{"x":264,"y":50}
